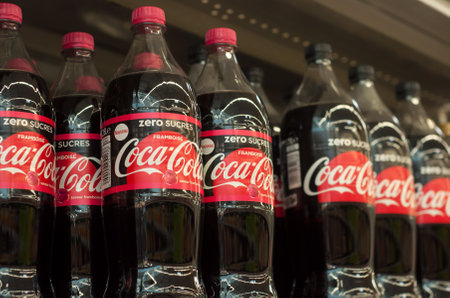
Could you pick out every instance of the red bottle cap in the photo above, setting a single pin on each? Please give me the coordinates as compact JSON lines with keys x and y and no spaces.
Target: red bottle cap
{"x":147,"y":60}
{"x":80,"y":40}
{"x":20,"y":64}
{"x":148,"y":14}
{"x":88,"y":83}
{"x":10,"y":12}
{"x":220,"y":35}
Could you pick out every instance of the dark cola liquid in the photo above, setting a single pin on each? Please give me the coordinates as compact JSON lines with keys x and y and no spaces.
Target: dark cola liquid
{"x":26,"y":216}
{"x":282,"y":270}
{"x":152,"y":234}
{"x":394,"y":244}
{"x":79,"y":260}
{"x":237,"y":235}
{"x":324,"y":236}
{"x":434,"y":247}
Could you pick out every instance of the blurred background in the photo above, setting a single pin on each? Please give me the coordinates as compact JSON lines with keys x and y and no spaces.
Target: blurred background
{"x":402,"y":39}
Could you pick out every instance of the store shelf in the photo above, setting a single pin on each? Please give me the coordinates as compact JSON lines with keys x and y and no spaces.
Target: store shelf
{"x":403,"y":39}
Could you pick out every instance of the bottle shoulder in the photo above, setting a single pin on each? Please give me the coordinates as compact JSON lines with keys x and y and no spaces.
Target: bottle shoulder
{"x":78,"y":113}
{"x":316,"y":117}
{"x":149,"y":92}
{"x":234,"y":110}
{"x":24,"y":91}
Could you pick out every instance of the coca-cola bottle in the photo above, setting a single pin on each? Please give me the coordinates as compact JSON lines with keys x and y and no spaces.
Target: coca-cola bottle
{"x":197,"y":59}
{"x":328,"y":183}
{"x":431,"y":164}
{"x":151,"y":169}
{"x":395,"y":232}
{"x":281,"y":262}
{"x":27,"y":165}
{"x":79,"y":260}
{"x":238,"y":182}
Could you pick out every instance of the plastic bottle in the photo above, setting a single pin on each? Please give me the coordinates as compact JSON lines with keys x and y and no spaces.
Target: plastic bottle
{"x":151,"y":169}
{"x":431,"y":164}
{"x":27,"y":166}
{"x":79,"y":260}
{"x":238,"y":176}
{"x":328,"y":183}
{"x":395,"y":234}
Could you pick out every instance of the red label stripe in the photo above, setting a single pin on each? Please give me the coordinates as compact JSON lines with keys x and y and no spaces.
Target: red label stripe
{"x":25,"y":115}
{"x":232,"y":198}
{"x":155,"y":185}
{"x":235,"y":132}
{"x":152,"y":115}
{"x":26,"y":186}
{"x":78,"y":136}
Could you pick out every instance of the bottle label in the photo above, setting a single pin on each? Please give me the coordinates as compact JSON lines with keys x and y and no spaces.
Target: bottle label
{"x":394,"y":182}
{"x":293,"y":166}
{"x":27,"y":155}
{"x":431,"y":161}
{"x":433,"y":202}
{"x":78,"y":170}
{"x":151,"y":151}
{"x":394,"y":191}
{"x":237,"y":166}
{"x":329,"y":162}
{"x":347,"y":177}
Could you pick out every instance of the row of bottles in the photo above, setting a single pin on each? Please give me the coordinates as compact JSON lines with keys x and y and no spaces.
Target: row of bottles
{"x":151,"y":187}
{"x":336,"y":237}
{"x":123,"y":179}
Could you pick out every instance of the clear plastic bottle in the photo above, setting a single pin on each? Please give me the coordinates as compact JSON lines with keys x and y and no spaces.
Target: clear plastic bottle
{"x":431,"y":165}
{"x":27,"y":166}
{"x":79,"y":261}
{"x":197,"y":59}
{"x":238,"y":182}
{"x":151,"y":170}
{"x":328,"y":183}
{"x":395,"y":233}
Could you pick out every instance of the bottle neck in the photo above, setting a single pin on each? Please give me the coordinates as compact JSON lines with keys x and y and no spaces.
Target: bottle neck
{"x":319,"y":85}
{"x":413,"y":117}
{"x":14,"y":55}
{"x":78,"y":55}
{"x":78,"y":75}
{"x":372,"y":107}
{"x":9,"y":29}
{"x":149,"y":52}
{"x":222,"y":72}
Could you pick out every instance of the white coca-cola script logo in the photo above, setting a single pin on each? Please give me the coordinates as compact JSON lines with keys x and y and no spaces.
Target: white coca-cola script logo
{"x":79,"y":175}
{"x":236,"y":173}
{"x":434,"y":198}
{"x":30,"y":155}
{"x":167,"y":154}
{"x":394,"y":191}
{"x":243,"y":174}
{"x":348,"y":174}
